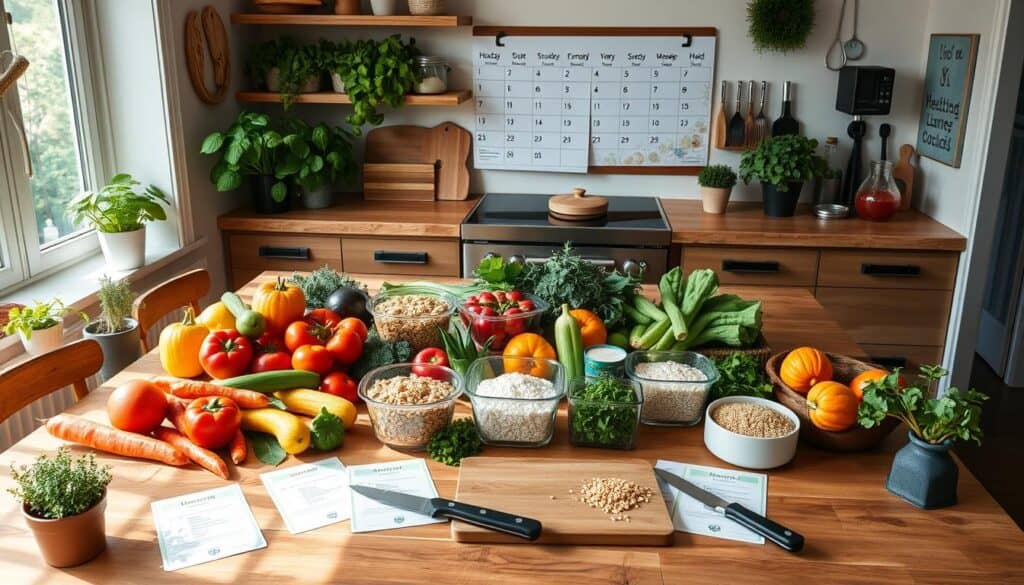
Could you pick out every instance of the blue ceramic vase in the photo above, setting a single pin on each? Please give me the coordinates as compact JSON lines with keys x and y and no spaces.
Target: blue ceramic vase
{"x":924,"y":474}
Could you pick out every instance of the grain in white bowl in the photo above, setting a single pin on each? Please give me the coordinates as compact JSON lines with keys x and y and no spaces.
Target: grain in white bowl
{"x":515,"y":408}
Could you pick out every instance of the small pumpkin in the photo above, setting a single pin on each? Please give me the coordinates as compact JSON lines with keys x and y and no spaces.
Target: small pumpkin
{"x":804,"y":367}
{"x":832,"y":406}
{"x":216,"y":317}
{"x":528,"y":345}
{"x":180,"y":344}
{"x":281,"y":304}
{"x":592,"y":328}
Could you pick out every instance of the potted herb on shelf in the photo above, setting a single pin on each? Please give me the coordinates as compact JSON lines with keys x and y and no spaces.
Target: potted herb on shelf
{"x":374,"y":74}
{"x":287,"y":67}
{"x":923,"y":472}
{"x":324,"y":155}
{"x":716,"y":183}
{"x":384,"y":7}
{"x":115,"y":330}
{"x":63,"y":501}
{"x":782,"y":164}
{"x":119,"y":212}
{"x":41,"y":326}
{"x":334,"y":54}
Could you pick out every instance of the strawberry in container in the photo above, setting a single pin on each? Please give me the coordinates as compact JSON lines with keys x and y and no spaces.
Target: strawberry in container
{"x":501,"y":315}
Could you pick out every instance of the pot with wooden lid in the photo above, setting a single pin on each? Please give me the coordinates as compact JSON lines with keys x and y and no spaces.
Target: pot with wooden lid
{"x":577,"y":206}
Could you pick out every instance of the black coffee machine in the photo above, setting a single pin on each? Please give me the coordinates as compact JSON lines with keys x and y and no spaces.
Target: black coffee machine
{"x":863,"y":91}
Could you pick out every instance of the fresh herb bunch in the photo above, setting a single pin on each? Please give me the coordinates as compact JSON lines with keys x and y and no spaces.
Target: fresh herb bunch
{"x":780,"y":25}
{"x":740,"y":374}
{"x":782,"y":161}
{"x":252,"y":146}
{"x":327,"y":432}
{"x":956,"y":415}
{"x":60,"y":486}
{"x":499,"y":274}
{"x":374,"y":74}
{"x":320,"y":283}
{"x":717,"y":177}
{"x":118,"y":207}
{"x":116,"y":298}
{"x":377,"y":353}
{"x":604,"y":411}
{"x":457,"y":440}
{"x":41,"y":315}
{"x":460,"y":347}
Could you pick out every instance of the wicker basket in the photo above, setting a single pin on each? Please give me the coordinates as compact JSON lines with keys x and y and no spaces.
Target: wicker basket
{"x":426,"y":7}
{"x":844,"y":369}
{"x":760,"y":350}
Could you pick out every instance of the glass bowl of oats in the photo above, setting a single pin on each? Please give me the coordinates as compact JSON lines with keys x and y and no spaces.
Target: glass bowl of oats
{"x":416,"y":318}
{"x":675,"y":385}
{"x":407,"y":409}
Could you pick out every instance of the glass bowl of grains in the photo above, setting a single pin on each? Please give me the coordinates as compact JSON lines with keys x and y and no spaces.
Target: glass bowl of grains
{"x":515,"y":399}
{"x":417,"y":318}
{"x":675,"y":385}
{"x":406,"y":409}
{"x":751,"y":432}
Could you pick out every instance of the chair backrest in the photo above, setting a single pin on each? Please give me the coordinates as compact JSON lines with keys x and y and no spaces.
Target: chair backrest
{"x":27,"y":382}
{"x":157,"y":302}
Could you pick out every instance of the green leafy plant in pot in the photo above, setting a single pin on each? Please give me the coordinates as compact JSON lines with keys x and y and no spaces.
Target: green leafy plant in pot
{"x":716,"y":183}
{"x":782,"y":164}
{"x":41,"y":326}
{"x":284,"y":66}
{"x":375,"y":74}
{"x":780,"y":25}
{"x":63,"y":502}
{"x":923,"y":472}
{"x":324,"y":156}
{"x":115,"y":329}
{"x":119,"y":212}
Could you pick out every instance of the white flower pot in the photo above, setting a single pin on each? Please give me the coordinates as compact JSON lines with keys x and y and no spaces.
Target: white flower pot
{"x":124,"y":250}
{"x":44,"y":340}
{"x":337,"y":83}
{"x":715,"y":199}
{"x":384,"y":7}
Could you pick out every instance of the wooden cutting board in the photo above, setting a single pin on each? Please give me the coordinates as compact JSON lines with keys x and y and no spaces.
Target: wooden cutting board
{"x":525,"y":486}
{"x":446,"y":145}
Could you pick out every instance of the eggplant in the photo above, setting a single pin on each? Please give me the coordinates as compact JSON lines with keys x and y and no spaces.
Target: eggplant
{"x":348,"y":301}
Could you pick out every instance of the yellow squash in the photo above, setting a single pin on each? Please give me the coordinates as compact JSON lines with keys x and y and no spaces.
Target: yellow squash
{"x":290,"y":431}
{"x":216,"y":317}
{"x":179,"y":346}
{"x":309,"y":403}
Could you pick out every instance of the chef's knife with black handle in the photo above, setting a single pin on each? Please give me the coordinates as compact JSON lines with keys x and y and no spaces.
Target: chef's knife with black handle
{"x":777,"y":533}
{"x":519,"y":526}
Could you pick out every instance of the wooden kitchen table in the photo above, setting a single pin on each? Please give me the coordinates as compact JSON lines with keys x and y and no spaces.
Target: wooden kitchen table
{"x":856,"y":531}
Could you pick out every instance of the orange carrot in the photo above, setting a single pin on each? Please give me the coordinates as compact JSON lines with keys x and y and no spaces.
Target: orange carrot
{"x":82,"y":430}
{"x":204,"y":457}
{"x":176,"y":411}
{"x":239,"y":448}
{"x":197,"y":389}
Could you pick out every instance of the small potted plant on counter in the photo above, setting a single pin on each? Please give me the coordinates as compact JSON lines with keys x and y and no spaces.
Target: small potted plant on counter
{"x":115,"y":330}
{"x":119,"y":212}
{"x":325,"y":156}
{"x":41,"y":326}
{"x":716,"y":183}
{"x":63,"y":501}
{"x":782,"y":164}
{"x":923,"y":472}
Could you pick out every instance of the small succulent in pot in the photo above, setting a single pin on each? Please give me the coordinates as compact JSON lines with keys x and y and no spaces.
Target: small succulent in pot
{"x":716,"y":183}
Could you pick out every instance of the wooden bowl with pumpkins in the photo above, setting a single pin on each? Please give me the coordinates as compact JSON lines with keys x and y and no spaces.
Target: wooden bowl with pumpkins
{"x":824,"y":390}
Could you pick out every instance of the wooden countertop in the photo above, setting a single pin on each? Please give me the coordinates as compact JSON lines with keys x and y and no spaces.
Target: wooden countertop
{"x":744,"y":224}
{"x":855,"y":530}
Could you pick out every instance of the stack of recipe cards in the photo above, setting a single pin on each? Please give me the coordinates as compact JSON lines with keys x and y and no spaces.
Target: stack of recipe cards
{"x":311,"y":495}
{"x":689,"y":515}
{"x":409,"y":476}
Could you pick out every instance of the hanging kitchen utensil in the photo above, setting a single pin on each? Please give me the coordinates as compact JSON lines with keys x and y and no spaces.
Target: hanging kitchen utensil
{"x":838,"y":43}
{"x":762,"y":128}
{"x":883,"y":132}
{"x":854,"y":47}
{"x":903,"y":172}
{"x":748,"y":121}
{"x":734,"y":136}
{"x":786,"y":124}
{"x":720,"y":123}
{"x":8,"y":78}
{"x":577,"y":206}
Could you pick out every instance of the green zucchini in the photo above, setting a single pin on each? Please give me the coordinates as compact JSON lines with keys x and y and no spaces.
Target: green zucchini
{"x":569,"y":344}
{"x":267,"y":382}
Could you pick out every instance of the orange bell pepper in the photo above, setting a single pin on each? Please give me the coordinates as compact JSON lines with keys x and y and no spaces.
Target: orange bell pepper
{"x":591,"y":327}
{"x":528,"y":345}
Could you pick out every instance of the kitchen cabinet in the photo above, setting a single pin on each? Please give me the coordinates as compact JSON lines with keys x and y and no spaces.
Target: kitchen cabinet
{"x":401,"y":256}
{"x":250,"y":254}
{"x":776,"y":266}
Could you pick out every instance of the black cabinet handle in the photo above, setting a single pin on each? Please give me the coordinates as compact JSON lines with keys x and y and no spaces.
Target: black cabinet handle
{"x":284,"y":253}
{"x":889,"y":361}
{"x":910,"y":270}
{"x":385,"y":257}
{"x":741,"y":266}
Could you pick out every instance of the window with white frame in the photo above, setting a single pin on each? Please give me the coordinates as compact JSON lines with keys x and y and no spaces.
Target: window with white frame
{"x":49,"y":138}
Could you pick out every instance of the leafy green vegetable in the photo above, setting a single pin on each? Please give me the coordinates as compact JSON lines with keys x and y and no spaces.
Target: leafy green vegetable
{"x":321,"y":283}
{"x":327,"y":431}
{"x":460,"y":347}
{"x":956,"y":415}
{"x":672,"y":287}
{"x":700,"y":286}
{"x":604,"y":411}
{"x":377,"y":353}
{"x":60,"y":486}
{"x":740,"y":374}
{"x":498,"y":273}
{"x":455,"y":441}
{"x":266,"y":448}
{"x":415,"y":287}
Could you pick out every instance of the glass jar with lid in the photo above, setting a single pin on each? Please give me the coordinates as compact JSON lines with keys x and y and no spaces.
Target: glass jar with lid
{"x":433,"y":73}
{"x":878,"y":197}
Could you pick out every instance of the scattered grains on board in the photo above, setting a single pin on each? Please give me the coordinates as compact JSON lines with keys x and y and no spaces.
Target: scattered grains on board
{"x":403,"y":426}
{"x":512,"y":408}
{"x":412,"y":318}
{"x":673,"y":400}
{"x":752,"y":420}
{"x":613,"y":495}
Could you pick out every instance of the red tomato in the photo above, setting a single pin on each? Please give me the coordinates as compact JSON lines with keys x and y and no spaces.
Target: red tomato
{"x":269,"y":362}
{"x":268,"y":343}
{"x":346,"y":346}
{"x":427,"y":361}
{"x":313,"y":358}
{"x":355,"y":325}
{"x":225,"y":354}
{"x":325,"y":317}
{"x":340,"y":384}
{"x":212,"y":421}
{"x":137,"y":406}
{"x":306,"y":332}
{"x":515,"y":296}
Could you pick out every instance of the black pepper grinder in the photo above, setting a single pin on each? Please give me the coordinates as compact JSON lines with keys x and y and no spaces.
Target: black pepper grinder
{"x":851,"y":180}
{"x":883,"y":132}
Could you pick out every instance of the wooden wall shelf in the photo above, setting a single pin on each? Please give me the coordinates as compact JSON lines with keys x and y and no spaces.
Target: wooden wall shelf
{"x":351,"y":20}
{"x":448,"y":99}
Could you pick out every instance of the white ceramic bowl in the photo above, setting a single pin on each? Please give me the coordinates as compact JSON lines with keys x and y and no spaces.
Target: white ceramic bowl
{"x":750,"y":452}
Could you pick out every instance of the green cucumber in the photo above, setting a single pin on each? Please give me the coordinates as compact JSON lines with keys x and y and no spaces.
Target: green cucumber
{"x":653,"y":334}
{"x":247,"y":322}
{"x":267,"y":382}
{"x":569,"y":345}
{"x":635,"y":334}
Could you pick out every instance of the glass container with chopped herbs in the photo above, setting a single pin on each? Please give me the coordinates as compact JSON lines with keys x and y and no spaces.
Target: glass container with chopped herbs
{"x":604,"y":411}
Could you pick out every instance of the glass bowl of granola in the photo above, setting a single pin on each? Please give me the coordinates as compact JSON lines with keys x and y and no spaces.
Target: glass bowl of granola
{"x":417,"y":318}
{"x":408,"y":403}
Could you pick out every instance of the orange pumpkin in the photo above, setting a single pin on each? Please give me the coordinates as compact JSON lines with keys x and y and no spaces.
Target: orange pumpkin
{"x":804,"y":367}
{"x":863,"y":379}
{"x":280,"y":304}
{"x":528,"y":345}
{"x":591,"y":327}
{"x":832,"y":406}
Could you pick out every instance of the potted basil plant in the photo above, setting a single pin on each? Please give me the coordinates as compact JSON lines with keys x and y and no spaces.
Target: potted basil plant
{"x":716,"y":183}
{"x":119,"y":212}
{"x":63,"y":501}
{"x":923,"y":472}
{"x":286,"y":67}
{"x":325,"y":156}
{"x":782,"y":164}
{"x":114,"y":329}
{"x":41,"y":326}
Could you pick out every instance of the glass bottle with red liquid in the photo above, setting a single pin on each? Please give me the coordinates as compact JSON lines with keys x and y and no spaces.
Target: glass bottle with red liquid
{"x":878,"y":197}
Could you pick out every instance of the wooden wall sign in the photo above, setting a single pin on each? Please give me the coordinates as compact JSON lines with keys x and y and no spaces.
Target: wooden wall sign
{"x":207,"y":26}
{"x":947,"y":96}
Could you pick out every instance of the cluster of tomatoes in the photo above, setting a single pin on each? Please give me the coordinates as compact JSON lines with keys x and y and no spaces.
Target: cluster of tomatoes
{"x":497,"y":315}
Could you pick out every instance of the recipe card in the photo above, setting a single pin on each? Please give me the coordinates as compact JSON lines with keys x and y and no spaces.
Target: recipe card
{"x":409,"y":476}
{"x":689,"y":515}
{"x":310,"y":496}
{"x":205,"y":526}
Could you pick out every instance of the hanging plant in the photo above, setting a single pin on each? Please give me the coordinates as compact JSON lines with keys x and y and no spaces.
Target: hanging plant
{"x":780,"y":25}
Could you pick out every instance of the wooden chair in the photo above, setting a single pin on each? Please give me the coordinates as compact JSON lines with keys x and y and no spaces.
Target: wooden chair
{"x":157,"y":302}
{"x":27,"y":382}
